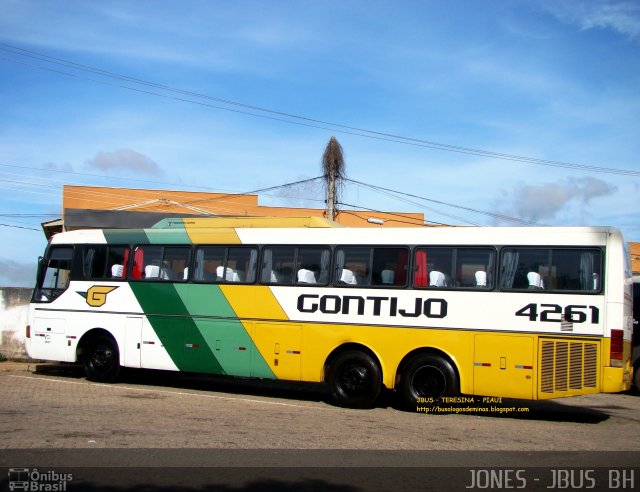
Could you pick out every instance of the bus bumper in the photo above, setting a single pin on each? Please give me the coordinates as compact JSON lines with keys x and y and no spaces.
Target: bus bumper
{"x":616,"y":379}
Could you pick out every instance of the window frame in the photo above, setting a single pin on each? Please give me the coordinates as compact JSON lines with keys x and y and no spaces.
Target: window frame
{"x":131,"y":271}
{"x":336,"y":282}
{"x":108,"y":249}
{"x":491,"y":279}
{"x":226,"y":247}
{"x":549,"y":265}
{"x":296,"y":265}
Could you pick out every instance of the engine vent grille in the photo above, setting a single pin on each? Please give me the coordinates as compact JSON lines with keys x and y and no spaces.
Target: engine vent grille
{"x":568,"y":367}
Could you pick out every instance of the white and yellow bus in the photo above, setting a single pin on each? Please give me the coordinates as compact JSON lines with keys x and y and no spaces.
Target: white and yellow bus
{"x":529,"y":313}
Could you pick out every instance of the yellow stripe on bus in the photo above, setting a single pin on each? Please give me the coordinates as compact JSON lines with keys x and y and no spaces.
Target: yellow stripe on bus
{"x":199,"y":235}
{"x":279,"y":343}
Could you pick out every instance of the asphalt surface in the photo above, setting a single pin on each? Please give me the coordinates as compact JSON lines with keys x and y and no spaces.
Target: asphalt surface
{"x":51,"y":416}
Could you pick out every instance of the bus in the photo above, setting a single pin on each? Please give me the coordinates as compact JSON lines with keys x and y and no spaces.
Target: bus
{"x":515,"y":312}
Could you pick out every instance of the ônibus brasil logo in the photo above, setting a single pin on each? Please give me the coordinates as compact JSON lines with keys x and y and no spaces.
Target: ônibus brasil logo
{"x":34,"y":480}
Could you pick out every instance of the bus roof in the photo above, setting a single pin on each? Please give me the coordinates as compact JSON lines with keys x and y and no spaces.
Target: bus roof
{"x":244,"y":222}
{"x":315,"y":230}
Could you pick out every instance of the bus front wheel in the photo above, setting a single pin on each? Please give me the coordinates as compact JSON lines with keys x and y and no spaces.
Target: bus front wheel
{"x":427,"y":376}
{"x":101,"y":359}
{"x":355,"y":380}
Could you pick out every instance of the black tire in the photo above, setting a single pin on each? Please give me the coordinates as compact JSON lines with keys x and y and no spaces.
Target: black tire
{"x":355,"y":380}
{"x":101,"y":359}
{"x":427,"y":376}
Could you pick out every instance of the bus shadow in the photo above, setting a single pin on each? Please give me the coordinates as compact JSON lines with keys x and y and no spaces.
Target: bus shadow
{"x":525,"y":410}
{"x":284,"y":390}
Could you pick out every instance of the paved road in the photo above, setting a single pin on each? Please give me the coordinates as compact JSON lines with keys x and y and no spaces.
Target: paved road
{"x":53,"y":405}
{"x":50,"y":414}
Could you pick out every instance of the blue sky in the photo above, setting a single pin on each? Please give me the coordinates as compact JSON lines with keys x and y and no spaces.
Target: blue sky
{"x":552,"y":80}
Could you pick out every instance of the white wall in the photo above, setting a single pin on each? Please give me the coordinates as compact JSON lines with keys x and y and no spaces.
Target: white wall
{"x":14,"y":304}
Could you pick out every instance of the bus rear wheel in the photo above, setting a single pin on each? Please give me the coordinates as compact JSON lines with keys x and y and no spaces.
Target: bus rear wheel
{"x":102,"y":359}
{"x":355,"y":380}
{"x":429,"y":377}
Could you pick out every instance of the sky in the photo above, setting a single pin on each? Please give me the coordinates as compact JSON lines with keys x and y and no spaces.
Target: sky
{"x":524,"y":109}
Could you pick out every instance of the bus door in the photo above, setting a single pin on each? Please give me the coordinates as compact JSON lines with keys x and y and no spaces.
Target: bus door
{"x":48,"y":338}
{"x":132,"y":341}
{"x":230,"y":346}
{"x":503,"y":365}
{"x":161,"y":343}
{"x":279,"y":345}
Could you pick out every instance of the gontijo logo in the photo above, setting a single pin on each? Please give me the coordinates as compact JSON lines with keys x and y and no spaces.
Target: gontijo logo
{"x":96,"y":296}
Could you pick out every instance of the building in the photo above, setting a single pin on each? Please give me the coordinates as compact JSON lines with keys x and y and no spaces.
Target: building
{"x":89,"y":207}
{"x":634,"y":251}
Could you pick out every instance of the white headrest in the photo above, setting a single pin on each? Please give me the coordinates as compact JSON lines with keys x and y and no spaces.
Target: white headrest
{"x":481,"y":278}
{"x":387,"y":276}
{"x":436,"y":279}
{"x":230,"y":276}
{"x":151,"y":271}
{"x":117,"y":271}
{"x":306,"y":276}
{"x":535,"y":280}
{"x":348,"y":277}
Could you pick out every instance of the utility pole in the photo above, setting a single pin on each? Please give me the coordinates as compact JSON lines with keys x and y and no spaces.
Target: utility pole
{"x":333,"y":172}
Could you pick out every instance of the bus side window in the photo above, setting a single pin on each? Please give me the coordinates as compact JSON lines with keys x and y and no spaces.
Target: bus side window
{"x":312,"y":265}
{"x":353,"y":266}
{"x":160,"y":263}
{"x":208,"y":260}
{"x":433,"y":267}
{"x":474,"y":268}
{"x":278,"y":265}
{"x":104,"y":262}
{"x":389,"y":267}
{"x":551,"y":269}
{"x":117,"y":259}
{"x":242,"y":263}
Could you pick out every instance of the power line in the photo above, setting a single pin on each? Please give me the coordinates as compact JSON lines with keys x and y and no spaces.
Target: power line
{"x":412,"y":220}
{"x":222,"y":197}
{"x":422,"y":206}
{"x":468,"y":209}
{"x":285,"y":117}
{"x":20,"y":227}
{"x":99,"y":196}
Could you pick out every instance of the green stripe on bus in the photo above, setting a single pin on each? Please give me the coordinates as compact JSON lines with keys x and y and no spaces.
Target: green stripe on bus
{"x":175,"y":328}
{"x":126,"y":236}
{"x":147,"y":236}
{"x":168,"y":236}
{"x":227,"y":337}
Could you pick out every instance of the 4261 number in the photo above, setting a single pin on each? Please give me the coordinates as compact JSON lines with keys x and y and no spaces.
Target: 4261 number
{"x":555,"y":313}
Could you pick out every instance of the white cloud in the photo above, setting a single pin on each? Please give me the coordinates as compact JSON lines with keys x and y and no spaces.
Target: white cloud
{"x":546,"y":201}
{"x":622,"y":17}
{"x":124,"y":159}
